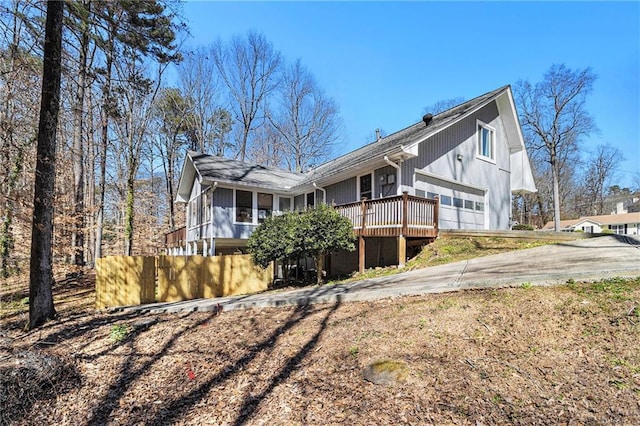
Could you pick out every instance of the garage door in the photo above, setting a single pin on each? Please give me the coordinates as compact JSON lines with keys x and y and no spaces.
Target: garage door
{"x":461,"y":207}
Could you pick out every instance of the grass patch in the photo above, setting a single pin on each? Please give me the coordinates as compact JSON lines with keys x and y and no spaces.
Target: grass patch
{"x":449,"y":250}
{"x":119,"y":332}
{"x":617,"y":289}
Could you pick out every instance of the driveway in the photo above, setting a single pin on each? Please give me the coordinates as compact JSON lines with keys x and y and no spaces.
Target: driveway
{"x":587,"y":259}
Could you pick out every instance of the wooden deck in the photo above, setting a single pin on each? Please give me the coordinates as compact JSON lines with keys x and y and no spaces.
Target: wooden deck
{"x":177,"y":238}
{"x":403,"y":215}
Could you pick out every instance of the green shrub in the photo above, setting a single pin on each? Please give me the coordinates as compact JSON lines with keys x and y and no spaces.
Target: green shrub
{"x":522,"y":227}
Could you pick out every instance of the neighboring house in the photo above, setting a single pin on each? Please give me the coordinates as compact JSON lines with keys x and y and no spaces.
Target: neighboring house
{"x":457,"y":169}
{"x":632,"y":205}
{"x":626,"y":223}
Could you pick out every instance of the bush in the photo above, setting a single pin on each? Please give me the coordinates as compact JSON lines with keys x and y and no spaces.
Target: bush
{"x":314,"y":233}
{"x":522,"y":227}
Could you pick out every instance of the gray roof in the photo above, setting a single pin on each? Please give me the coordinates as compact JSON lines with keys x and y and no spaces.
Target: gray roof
{"x":234,"y":171}
{"x":226,"y":170}
{"x":393,"y":143}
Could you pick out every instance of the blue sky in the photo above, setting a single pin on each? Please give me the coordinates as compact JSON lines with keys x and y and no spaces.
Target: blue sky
{"x":384,"y":62}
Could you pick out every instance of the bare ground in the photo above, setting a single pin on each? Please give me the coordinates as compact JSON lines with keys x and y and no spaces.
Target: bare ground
{"x":565,"y":355}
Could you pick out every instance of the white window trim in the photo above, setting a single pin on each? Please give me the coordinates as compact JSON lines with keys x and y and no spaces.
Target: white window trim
{"x":254,"y":207}
{"x":276,"y":202}
{"x":373,"y":189}
{"x":493,"y":142}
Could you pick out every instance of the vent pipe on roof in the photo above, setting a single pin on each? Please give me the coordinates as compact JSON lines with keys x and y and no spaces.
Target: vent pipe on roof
{"x":427,"y":118}
{"x":378,"y":137}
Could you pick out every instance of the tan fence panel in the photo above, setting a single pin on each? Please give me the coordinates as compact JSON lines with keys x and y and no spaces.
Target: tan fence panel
{"x":131,"y":280}
{"x":125,"y":280}
{"x":233,"y":275}
{"x":179,"y":278}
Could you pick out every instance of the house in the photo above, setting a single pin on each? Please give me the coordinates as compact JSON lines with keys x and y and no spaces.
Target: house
{"x":626,"y":223}
{"x":457,"y":169}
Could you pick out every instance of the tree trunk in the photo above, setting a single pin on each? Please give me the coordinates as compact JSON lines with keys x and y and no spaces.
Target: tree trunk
{"x":6,"y":209}
{"x":104,"y":143}
{"x":556,"y":192}
{"x":128,"y":215}
{"x":78,"y":148}
{"x":319,"y":258}
{"x":41,"y":273}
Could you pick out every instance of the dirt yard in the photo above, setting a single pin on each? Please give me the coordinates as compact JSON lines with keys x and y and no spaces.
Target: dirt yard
{"x":528,"y":355}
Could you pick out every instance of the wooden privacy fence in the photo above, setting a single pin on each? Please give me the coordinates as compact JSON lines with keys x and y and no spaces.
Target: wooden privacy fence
{"x":136,"y":280}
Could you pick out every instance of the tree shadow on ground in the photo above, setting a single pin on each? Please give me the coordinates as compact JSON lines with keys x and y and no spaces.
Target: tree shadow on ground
{"x":179,"y":406}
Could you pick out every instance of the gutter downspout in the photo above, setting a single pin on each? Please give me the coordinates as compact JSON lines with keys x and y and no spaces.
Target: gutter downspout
{"x":399,"y":169}
{"x":324,"y":192}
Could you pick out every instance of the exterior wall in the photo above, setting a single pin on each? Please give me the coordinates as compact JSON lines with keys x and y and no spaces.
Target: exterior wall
{"x":346,"y":191}
{"x":342,"y":192}
{"x":588,"y":226}
{"x":224,"y":225}
{"x":381,"y":185}
{"x":438,"y":156}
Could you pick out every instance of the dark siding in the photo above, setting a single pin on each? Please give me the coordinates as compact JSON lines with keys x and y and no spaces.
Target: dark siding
{"x":385,"y":189}
{"x":223,"y":197}
{"x":342,"y":192}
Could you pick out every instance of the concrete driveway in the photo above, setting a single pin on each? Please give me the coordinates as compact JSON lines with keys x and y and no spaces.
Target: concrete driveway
{"x":587,"y":259}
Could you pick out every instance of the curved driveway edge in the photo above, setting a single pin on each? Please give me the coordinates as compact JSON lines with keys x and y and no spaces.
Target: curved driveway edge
{"x":582,"y":260}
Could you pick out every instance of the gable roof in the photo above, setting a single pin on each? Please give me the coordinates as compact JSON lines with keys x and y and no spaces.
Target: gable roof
{"x":402,"y":144}
{"x":606,"y":219}
{"x":405,"y":141}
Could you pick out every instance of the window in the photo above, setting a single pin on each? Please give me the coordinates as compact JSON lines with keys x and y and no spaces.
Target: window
{"x":479,"y":206}
{"x":265,"y":206}
{"x":365,"y":187}
{"x":457,"y":202}
{"x":420,"y":193}
{"x":311,"y":200}
{"x":244,"y":206}
{"x":445,"y":200}
{"x":193,"y":208}
{"x":284,"y":204}
{"x":468,"y":204}
{"x":431,"y":195}
{"x":618,"y":229}
{"x":588,"y":229}
{"x":206,"y":204}
{"x":486,"y":142}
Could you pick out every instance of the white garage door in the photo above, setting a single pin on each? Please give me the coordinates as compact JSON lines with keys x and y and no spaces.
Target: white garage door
{"x":461,"y":207}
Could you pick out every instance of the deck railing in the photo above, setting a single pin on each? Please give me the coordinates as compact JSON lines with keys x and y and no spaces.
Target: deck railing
{"x":176,"y":238}
{"x":405,"y":215}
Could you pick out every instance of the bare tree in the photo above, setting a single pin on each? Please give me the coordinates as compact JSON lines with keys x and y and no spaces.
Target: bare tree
{"x":554,"y":119}
{"x":598,"y":175}
{"x":137,"y":95}
{"x":306,"y":120}
{"x":175,"y":120}
{"x":20,"y":74}
{"x":249,"y":68}
{"x":41,"y":306}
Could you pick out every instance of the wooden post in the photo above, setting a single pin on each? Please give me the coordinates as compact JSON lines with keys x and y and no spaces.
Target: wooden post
{"x":402,"y":251}
{"x":436,"y":214}
{"x":361,"y":243}
{"x":405,"y":212}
